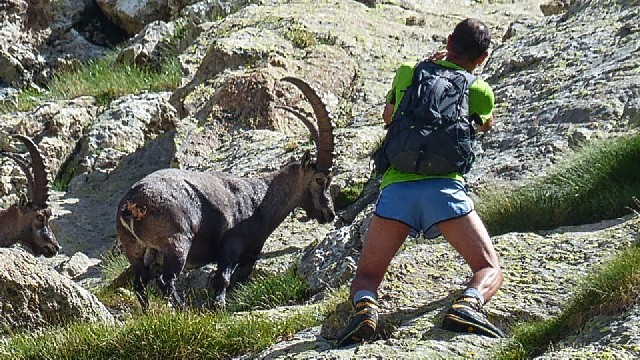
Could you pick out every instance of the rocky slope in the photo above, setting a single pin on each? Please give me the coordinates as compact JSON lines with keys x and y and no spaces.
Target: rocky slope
{"x":559,"y":80}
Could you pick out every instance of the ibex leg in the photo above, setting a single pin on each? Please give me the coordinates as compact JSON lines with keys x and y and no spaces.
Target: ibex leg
{"x":173,"y":264}
{"x":244,"y":269}
{"x":141,"y":276}
{"x":220,"y":283}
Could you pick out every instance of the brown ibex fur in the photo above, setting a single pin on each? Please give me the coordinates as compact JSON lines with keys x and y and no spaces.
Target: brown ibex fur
{"x":192,"y":218}
{"x":27,"y":222}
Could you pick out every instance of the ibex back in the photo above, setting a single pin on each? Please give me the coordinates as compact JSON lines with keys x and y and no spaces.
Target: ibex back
{"x":27,"y":222}
{"x":191,"y":218}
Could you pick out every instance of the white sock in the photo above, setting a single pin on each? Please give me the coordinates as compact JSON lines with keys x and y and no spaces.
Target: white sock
{"x":473,"y":292}
{"x":363,"y":294}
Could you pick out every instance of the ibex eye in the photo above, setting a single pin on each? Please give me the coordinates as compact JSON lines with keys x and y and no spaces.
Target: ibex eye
{"x":320,"y":181}
{"x":40,"y":217}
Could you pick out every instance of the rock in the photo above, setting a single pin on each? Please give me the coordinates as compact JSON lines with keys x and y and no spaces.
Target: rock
{"x":34,"y":297}
{"x":553,"y":7}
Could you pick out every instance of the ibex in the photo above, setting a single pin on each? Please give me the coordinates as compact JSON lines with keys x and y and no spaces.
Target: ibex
{"x":192,"y":218}
{"x":27,"y":222}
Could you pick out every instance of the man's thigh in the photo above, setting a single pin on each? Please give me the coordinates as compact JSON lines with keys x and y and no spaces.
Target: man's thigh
{"x":468,"y":235}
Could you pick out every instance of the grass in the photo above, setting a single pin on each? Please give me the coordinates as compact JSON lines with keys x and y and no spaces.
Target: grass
{"x":268,"y":291}
{"x":104,"y":79}
{"x":112,"y":265}
{"x":163,"y":334}
{"x":167,"y":335}
{"x":25,"y":100}
{"x":599,"y":182}
{"x":608,"y":290}
{"x":348,"y":195}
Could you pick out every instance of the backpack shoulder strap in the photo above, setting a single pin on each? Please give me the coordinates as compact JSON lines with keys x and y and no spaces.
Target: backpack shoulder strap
{"x":450,"y":73}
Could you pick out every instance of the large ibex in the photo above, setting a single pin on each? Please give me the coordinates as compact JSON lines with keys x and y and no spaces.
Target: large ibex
{"x":27,"y":222}
{"x":192,"y":218}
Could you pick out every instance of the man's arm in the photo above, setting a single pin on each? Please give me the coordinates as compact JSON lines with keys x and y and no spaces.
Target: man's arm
{"x":387,"y":113}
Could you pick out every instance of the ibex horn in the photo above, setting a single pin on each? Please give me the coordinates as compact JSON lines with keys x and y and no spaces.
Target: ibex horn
{"x":305,"y":120}
{"x":24,"y":166}
{"x":325,"y":128}
{"x":40,"y":181}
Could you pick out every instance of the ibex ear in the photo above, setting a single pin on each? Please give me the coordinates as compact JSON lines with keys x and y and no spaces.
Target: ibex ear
{"x":306,"y":160}
{"x":23,"y":200}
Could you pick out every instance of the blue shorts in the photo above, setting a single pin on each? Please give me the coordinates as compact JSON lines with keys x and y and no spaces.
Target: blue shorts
{"x":422,"y":204}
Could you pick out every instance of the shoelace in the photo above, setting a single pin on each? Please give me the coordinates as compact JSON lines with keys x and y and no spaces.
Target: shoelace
{"x":472,"y":303}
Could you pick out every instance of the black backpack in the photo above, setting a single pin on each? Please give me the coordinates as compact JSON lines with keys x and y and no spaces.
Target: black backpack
{"x":431,"y":132}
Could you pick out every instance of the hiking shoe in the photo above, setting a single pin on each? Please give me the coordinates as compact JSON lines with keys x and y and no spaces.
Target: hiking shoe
{"x":465,"y":315}
{"x":362,"y":325}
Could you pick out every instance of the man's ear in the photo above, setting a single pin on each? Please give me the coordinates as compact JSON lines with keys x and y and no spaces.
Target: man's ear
{"x":482,"y":58}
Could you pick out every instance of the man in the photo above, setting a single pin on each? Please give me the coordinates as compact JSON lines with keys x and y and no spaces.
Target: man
{"x":436,"y":205}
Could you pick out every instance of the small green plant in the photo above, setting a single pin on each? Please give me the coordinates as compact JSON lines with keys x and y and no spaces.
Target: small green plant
{"x":113,"y":265}
{"x":268,"y":291}
{"x":24,"y":100}
{"x":348,"y":195}
{"x":375,"y":146}
{"x":59,"y":185}
{"x":291,"y":145}
{"x":300,"y":36}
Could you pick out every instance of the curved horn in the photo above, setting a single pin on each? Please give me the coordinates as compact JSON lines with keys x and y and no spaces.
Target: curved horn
{"x":40,"y":182}
{"x":305,"y":120}
{"x":325,"y":129}
{"x":24,"y":166}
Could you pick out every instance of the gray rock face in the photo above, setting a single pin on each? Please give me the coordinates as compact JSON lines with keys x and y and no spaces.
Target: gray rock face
{"x":33,"y":297}
{"x":132,"y":15}
{"x":561,"y":76}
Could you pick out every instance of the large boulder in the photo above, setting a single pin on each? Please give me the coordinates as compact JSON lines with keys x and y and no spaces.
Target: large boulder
{"x":132,"y":15}
{"x":34,"y":297}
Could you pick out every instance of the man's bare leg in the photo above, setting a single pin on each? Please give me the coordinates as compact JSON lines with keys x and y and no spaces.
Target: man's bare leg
{"x":382,"y":240}
{"x":469,"y":237}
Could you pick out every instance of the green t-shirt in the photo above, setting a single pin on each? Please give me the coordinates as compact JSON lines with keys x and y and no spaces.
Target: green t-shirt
{"x":481,"y":101}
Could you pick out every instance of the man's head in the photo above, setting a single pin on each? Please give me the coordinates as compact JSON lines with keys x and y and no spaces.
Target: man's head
{"x":469,"y":41}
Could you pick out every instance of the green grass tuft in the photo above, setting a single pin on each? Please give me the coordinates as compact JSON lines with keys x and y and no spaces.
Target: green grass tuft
{"x":168,"y":335}
{"x":348,"y":195}
{"x":610,"y":289}
{"x":268,"y":291}
{"x":113,"y":265}
{"x":104,"y":79}
{"x":599,"y":182}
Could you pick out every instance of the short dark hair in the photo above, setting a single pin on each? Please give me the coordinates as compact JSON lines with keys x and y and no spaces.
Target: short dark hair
{"x":470,"y":39}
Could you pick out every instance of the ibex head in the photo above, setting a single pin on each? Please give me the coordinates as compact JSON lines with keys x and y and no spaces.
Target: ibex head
{"x":28,"y":221}
{"x":317,"y":201}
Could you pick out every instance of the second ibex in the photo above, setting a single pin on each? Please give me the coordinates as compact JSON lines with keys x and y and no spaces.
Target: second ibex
{"x":27,"y":222}
{"x":191,"y":218}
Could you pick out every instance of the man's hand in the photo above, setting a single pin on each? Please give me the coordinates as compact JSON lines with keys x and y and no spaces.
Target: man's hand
{"x":487,"y":125}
